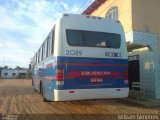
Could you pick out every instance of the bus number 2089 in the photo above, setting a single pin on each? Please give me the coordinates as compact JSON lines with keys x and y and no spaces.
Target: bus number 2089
{"x":74,"y":52}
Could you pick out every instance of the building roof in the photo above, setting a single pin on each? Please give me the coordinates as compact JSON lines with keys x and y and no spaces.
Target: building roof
{"x":24,"y":69}
{"x":93,"y":6}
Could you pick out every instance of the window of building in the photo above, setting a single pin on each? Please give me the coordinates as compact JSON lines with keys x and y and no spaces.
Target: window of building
{"x":112,"y":13}
{"x":5,"y":74}
{"x":13,"y":74}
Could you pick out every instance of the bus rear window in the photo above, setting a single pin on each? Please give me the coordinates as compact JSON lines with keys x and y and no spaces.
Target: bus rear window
{"x":93,"y":39}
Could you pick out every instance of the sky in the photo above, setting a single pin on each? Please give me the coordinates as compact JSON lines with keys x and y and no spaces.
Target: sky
{"x":24,"y":24}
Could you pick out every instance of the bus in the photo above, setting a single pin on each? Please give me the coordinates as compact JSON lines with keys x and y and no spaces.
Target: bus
{"x":83,"y":57}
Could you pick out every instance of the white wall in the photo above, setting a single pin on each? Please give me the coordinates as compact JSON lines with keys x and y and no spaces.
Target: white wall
{"x":11,"y":71}
{"x":149,"y":60}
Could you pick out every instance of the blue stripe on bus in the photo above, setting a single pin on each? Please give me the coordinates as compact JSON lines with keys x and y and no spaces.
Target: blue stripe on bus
{"x":71,"y":64}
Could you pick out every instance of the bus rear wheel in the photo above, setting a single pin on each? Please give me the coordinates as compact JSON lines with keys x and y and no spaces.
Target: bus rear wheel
{"x":41,"y":92}
{"x":41,"y":88}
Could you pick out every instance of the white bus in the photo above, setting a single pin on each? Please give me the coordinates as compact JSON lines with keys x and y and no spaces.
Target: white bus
{"x":83,"y":57}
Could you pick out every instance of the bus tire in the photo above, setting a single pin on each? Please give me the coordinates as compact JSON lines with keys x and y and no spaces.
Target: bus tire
{"x":35,"y":89}
{"x":45,"y":100}
{"x":32,"y":82}
{"x":41,"y":92}
{"x":41,"y":88}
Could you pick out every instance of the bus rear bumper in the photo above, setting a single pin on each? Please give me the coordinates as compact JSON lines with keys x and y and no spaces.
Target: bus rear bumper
{"x":84,"y":94}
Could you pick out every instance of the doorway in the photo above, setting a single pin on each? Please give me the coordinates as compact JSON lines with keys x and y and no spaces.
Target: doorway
{"x":133,"y":70}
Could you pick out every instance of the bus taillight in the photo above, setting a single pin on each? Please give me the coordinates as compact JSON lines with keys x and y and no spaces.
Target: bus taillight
{"x":126,"y":76}
{"x":60,"y":76}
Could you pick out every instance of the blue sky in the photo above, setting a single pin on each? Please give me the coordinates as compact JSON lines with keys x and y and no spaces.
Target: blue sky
{"x":24,"y":24}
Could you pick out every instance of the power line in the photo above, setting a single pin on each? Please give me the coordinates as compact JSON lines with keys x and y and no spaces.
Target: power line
{"x":85,"y":2}
{"x":82,"y":6}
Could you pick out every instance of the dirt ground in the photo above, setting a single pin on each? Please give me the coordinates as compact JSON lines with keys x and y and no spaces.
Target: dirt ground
{"x":18,"y":97}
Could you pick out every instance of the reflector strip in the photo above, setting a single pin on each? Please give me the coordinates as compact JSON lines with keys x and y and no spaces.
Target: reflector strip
{"x":87,"y":64}
{"x":71,"y":91}
{"x":118,"y":89}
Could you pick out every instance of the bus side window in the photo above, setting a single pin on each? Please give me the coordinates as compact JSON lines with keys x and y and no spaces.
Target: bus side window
{"x":43,"y":47}
{"x":52,"y":42}
{"x":39,"y":56}
{"x":48,"y":47}
{"x":36,"y":58}
{"x":42,"y":53}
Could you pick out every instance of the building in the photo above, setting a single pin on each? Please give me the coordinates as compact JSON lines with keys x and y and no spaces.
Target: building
{"x":14,"y":73}
{"x":0,"y":71}
{"x":141,"y":24}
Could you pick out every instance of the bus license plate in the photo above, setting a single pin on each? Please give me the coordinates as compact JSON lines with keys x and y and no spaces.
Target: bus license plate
{"x":96,"y":80}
